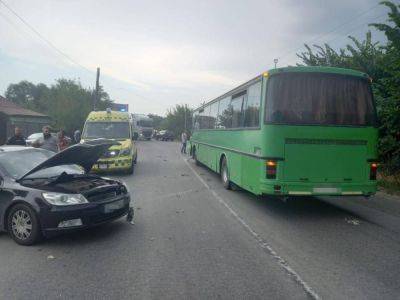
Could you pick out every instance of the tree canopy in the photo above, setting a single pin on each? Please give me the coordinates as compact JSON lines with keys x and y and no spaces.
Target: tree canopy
{"x":66,"y":101}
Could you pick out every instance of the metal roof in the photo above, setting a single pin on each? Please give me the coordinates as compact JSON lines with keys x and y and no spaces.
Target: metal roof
{"x":11,"y":109}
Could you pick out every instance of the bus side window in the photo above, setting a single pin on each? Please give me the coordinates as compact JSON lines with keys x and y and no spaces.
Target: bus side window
{"x":224,"y":119}
{"x":237,"y":111}
{"x":252,"y":107}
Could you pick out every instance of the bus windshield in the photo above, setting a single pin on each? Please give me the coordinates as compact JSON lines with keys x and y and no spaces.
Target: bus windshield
{"x":108,"y":130}
{"x":319,"y":99}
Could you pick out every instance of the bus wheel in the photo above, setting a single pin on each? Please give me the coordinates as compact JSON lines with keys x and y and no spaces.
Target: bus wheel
{"x":225,"y":175}
{"x":194,"y":156}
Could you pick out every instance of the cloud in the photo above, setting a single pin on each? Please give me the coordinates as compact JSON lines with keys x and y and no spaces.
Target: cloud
{"x":168,"y":51}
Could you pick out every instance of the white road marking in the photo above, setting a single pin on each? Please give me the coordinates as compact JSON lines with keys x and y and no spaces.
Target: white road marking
{"x":262,"y":243}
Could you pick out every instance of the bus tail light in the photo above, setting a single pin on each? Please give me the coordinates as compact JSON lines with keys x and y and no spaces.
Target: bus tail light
{"x":372,"y":172}
{"x":271,"y":169}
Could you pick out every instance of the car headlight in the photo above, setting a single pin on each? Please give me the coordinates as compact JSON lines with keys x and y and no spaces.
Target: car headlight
{"x":124,"y":152}
{"x":113,"y":153}
{"x":64,"y":199}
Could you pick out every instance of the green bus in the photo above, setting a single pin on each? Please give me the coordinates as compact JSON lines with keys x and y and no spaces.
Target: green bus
{"x":292,"y":131}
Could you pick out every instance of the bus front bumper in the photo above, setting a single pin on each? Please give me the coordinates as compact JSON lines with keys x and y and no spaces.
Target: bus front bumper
{"x":317,"y":189}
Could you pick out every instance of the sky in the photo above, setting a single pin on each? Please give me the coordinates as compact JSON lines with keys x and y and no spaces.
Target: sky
{"x":156,"y":54}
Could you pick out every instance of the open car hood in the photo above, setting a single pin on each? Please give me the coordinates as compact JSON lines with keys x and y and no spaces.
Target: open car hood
{"x":84,"y":155}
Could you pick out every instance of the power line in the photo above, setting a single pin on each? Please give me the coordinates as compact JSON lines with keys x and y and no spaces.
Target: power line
{"x":294,"y":50}
{"x":52,"y":46}
{"x":49,"y":43}
{"x":346,"y":35}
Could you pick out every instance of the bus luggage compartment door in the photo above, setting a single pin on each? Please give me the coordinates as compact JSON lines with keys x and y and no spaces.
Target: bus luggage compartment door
{"x":324,"y":161}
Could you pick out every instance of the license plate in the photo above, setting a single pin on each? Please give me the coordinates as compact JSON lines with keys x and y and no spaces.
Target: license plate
{"x":103,"y":166}
{"x":110,"y":207}
{"x":326,"y":190}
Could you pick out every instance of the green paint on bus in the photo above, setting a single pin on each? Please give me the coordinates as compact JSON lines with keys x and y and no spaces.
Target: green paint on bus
{"x":293,"y":131}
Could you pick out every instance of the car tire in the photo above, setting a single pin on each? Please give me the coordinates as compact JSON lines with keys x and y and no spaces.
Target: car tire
{"x":131,"y":168}
{"x":23,"y":225}
{"x":225,"y":175}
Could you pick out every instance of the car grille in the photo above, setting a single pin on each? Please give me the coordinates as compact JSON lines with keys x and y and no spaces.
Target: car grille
{"x":102,"y":195}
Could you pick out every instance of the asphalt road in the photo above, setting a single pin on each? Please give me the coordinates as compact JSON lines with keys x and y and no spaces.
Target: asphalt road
{"x":193,"y":239}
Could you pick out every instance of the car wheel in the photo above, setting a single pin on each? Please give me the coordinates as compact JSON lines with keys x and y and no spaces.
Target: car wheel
{"x":225,"y":175}
{"x":23,"y":225}
{"x":131,"y":168}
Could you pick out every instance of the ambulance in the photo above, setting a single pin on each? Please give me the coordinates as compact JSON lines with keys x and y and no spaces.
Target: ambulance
{"x":113,"y":125}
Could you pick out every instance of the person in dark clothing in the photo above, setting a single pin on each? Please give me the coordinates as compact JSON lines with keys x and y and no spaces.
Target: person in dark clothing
{"x":17,"y":139}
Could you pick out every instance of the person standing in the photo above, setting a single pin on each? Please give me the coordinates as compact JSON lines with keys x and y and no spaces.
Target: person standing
{"x":77,"y":136}
{"x":17,"y":139}
{"x":184,"y":141}
{"x":62,"y":141}
{"x":47,"y":141}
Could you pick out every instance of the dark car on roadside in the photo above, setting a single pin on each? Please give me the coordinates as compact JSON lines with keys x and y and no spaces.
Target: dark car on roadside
{"x":165,"y":135}
{"x":42,"y":193}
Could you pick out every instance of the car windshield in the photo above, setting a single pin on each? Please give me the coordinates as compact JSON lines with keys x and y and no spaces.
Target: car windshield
{"x":108,"y":130}
{"x":319,"y":99}
{"x":17,"y":163}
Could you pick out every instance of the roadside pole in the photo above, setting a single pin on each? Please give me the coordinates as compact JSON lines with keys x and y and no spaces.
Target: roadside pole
{"x":96,"y":93}
{"x":185,"y":116}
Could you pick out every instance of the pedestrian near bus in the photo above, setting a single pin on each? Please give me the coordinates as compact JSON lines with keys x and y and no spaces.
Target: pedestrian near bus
{"x":62,"y":141}
{"x":17,"y":139}
{"x":77,"y":136}
{"x":184,"y":141}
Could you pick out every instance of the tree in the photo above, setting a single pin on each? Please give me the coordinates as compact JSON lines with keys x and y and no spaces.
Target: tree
{"x":177,"y":118}
{"x":389,"y":94}
{"x":66,"y":101}
{"x":27,"y":94}
{"x":157,"y":121}
{"x":324,"y":56}
{"x":365,"y":56}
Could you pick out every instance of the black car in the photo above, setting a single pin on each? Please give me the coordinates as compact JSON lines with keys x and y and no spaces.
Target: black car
{"x":42,"y":193}
{"x":165,"y":135}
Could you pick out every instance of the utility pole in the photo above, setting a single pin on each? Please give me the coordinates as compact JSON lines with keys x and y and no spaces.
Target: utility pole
{"x":97,"y":92}
{"x":275,"y":62}
{"x":185,"y":116}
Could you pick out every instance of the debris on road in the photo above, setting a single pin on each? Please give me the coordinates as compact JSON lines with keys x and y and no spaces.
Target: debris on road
{"x":354,"y":222}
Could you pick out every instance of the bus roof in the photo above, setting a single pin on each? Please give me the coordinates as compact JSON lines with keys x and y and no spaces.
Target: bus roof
{"x":300,"y":69}
{"x":110,"y":116}
{"x":316,"y":69}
